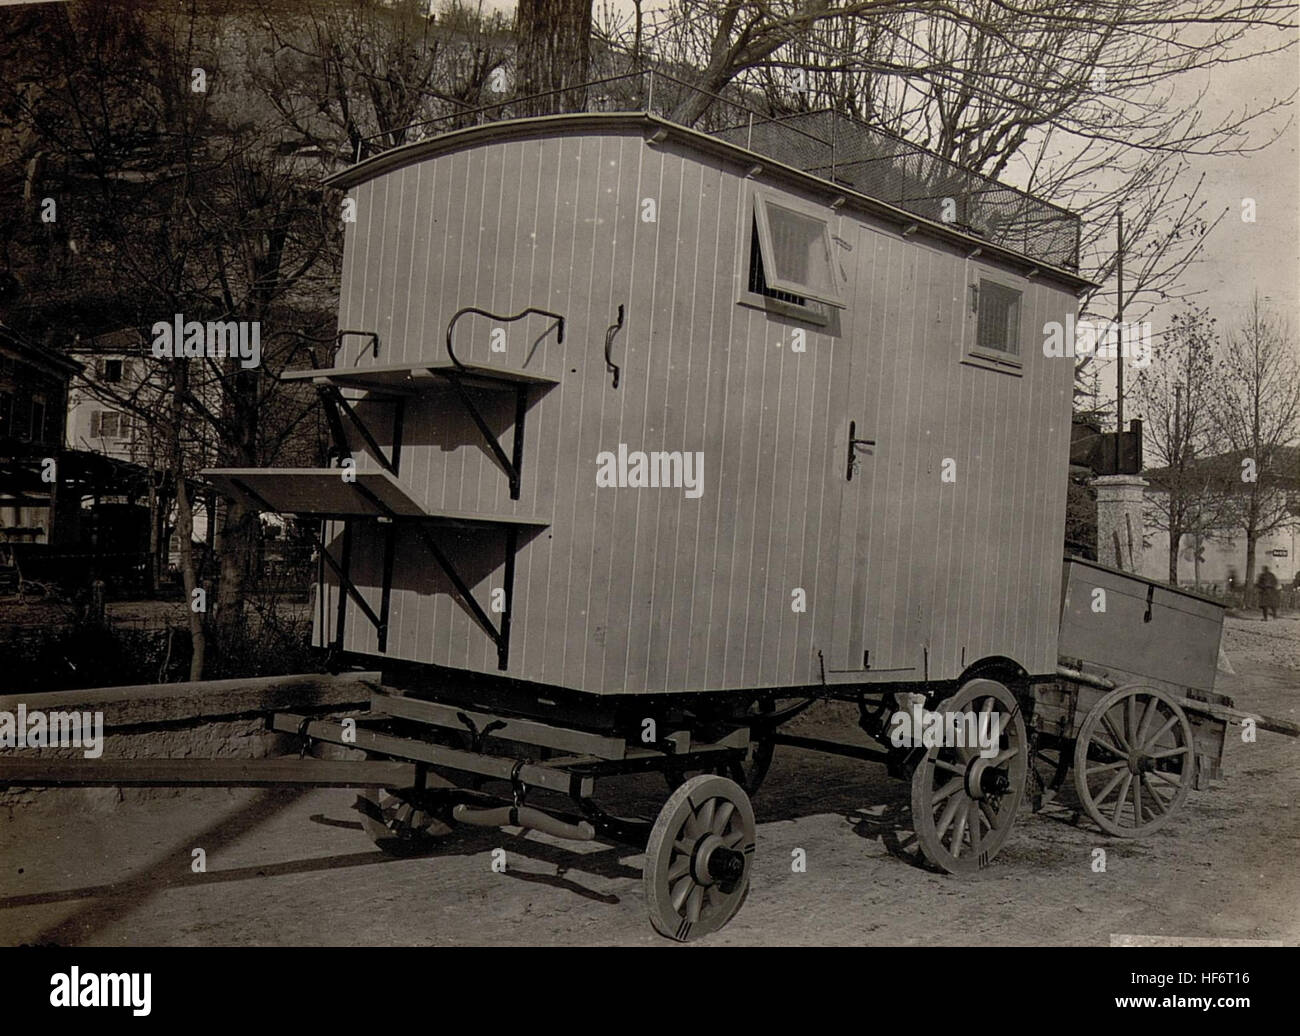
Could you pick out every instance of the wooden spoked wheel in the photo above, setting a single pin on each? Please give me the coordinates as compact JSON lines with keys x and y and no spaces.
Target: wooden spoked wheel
{"x":398,"y":823}
{"x":698,"y":858}
{"x":964,"y":802}
{"x":1134,"y":761}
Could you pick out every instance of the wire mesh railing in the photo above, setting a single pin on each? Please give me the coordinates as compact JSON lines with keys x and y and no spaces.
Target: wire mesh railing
{"x":824,"y":143}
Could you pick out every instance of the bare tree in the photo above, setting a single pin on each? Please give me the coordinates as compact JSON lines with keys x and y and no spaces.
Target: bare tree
{"x":349,"y":77}
{"x":1174,"y":399}
{"x":1093,"y":105}
{"x":186,"y":205}
{"x":1255,"y":396}
{"x":554,"y":53}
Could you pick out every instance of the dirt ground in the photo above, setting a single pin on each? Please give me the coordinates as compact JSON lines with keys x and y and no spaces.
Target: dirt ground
{"x":295,"y":868}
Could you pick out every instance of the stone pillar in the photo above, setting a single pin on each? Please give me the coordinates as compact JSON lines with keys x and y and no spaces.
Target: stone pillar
{"x":1119,"y":521}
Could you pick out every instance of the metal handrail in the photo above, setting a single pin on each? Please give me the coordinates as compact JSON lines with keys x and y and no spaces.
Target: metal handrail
{"x":825,"y":142}
{"x":466,"y":310}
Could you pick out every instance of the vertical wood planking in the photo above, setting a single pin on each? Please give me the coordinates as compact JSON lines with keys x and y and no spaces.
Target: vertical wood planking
{"x":645,"y":431}
{"x":638,"y":345}
{"x":645,"y":590}
{"x":580,"y":429}
{"x":694,"y":423}
{"x":716,"y":359}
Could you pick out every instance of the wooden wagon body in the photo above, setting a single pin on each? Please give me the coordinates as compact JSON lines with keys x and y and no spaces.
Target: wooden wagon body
{"x":879,"y":497}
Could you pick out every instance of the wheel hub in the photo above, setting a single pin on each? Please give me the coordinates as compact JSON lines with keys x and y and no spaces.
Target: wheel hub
{"x":983,"y":780}
{"x":713,"y":863}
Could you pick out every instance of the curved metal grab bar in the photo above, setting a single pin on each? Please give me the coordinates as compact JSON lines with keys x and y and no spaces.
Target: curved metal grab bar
{"x":451,"y":324}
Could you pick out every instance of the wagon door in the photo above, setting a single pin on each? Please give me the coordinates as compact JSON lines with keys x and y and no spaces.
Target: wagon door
{"x":861,"y":639}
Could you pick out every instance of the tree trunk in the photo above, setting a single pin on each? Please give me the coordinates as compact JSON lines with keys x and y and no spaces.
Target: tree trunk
{"x":1175,"y":543}
{"x":1251,"y":596}
{"x":554,"y":49}
{"x":240,"y":527}
{"x":184,"y":532}
{"x":185,"y":523}
{"x":152,"y":573}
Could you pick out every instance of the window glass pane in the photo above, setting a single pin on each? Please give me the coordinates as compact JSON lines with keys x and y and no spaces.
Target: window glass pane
{"x":800,"y":251}
{"x":998,"y":318}
{"x":758,"y":281}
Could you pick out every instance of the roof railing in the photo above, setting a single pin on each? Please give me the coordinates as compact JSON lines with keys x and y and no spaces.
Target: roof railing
{"x":825,"y":143}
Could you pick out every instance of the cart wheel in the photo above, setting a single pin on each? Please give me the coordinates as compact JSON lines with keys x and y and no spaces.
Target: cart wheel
{"x":398,"y":823}
{"x":697,"y":862}
{"x":1135,"y":740}
{"x":963,"y":803}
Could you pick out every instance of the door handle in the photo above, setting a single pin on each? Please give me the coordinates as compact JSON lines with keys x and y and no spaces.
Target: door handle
{"x":854,"y":443}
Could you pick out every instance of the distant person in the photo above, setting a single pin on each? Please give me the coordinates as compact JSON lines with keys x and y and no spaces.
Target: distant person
{"x":1295,"y":583}
{"x":1270,"y":597}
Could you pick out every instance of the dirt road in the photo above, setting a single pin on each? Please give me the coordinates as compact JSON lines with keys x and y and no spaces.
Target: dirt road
{"x":296,"y":869}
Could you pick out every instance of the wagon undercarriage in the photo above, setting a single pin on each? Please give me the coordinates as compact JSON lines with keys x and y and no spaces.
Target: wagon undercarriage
{"x":434,"y":765}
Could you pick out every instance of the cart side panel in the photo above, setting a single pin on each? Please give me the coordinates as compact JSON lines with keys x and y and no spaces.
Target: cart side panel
{"x":1146,"y":630}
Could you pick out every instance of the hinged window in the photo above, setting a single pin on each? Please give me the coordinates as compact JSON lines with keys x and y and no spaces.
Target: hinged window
{"x":792,"y":257}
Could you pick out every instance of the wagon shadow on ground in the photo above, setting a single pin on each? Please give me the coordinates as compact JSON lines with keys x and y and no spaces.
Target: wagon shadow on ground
{"x":467,"y":841}
{"x":170,"y":868}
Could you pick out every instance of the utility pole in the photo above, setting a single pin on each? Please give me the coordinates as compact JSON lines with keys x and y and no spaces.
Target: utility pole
{"x":1119,"y":335}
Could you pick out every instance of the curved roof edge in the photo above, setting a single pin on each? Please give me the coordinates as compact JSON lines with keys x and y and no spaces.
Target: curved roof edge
{"x":559,"y":125}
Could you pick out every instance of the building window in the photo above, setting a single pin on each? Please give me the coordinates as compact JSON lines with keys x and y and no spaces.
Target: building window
{"x":38,"y":419}
{"x":112,"y":370}
{"x":997,"y":309}
{"x":109,"y":424}
{"x":792,"y":254}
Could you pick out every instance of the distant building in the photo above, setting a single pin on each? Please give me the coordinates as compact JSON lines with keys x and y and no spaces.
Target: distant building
{"x":113,"y":365}
{"x":33,"y":406}
{"x":1225,"y":551}
{"x":120,"y":384}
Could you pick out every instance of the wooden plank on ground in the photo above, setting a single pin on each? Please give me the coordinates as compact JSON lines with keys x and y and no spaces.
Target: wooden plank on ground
{"x":35,"y":771}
